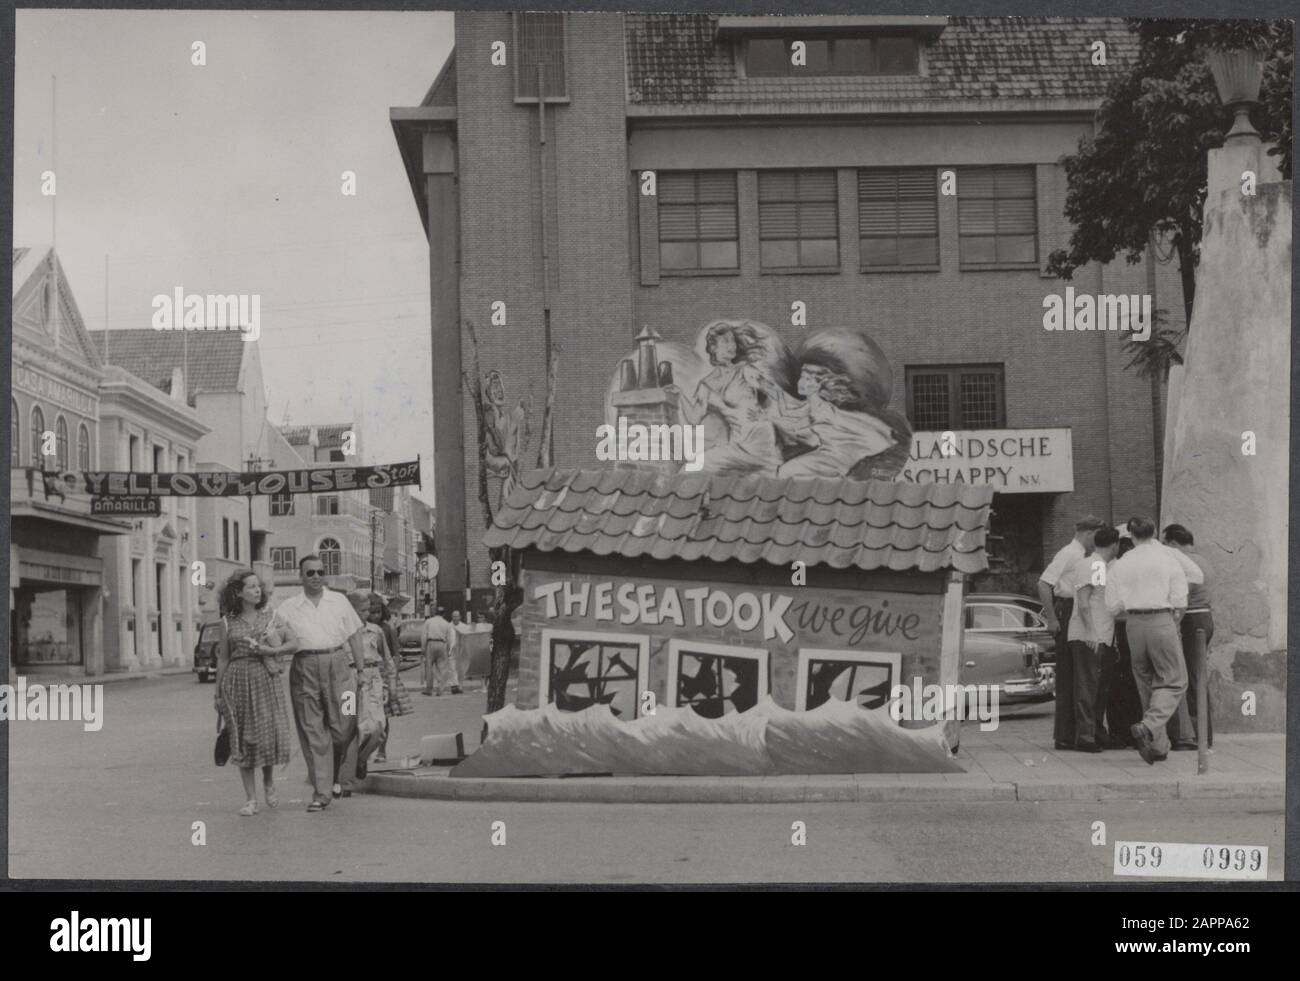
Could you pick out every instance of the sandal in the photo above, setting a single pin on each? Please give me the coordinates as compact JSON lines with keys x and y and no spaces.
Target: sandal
{"x":249,"y":809}
{"x":271,"y":799}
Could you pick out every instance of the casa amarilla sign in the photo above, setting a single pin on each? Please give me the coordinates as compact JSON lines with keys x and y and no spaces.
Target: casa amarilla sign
{"x":221,"y":483}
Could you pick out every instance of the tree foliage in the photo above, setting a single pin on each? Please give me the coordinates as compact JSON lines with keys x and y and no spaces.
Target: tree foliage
{"x":1142,"y":176}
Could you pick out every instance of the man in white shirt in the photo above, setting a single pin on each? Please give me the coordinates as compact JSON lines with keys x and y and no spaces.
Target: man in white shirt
{"x":1091,"y":639}
{"x":329,"y":640}
{"x":1058,"y":605}
{"x":1150,"y":586}
{"x":439,"y":642}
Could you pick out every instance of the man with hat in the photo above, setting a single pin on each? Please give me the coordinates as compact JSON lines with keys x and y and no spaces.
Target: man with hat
{"x":1057,"y":597}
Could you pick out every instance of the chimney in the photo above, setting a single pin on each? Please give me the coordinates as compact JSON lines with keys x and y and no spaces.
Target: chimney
{"x":178,"y":385}
{"x":643,"y":400}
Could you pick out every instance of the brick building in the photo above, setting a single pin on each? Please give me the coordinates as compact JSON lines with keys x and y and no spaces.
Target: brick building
{"x":813,"y":189}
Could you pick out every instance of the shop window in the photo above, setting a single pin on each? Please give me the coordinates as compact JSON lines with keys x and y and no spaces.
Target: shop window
{"x":772,"y":57}
{"x":865,"y":678}
{"x":997,"y":216}
{"x":698,"y":229}
{"x":331,"y":556}
{"x":898,"y":218}
{"x":952,"y":397}
{"x":38,"y":437}
{"x":581,"y":669}
{"x":798,"y":220}
{"x":281,"y":505}
{"x":284,"y":558}
{"x":715,"y":679}
{"x":539,"y":42}
{"x":83,"y":448}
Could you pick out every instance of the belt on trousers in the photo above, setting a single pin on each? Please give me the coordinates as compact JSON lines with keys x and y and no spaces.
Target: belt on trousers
{"x":1163,"y":609}
{"x":1199,"y":609}
{"x":324,"y":650}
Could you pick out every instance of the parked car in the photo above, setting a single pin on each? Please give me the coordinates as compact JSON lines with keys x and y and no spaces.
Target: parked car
{"x":1006,"y":643}
{"x":409,"y":634}
{"x":205,"y":651}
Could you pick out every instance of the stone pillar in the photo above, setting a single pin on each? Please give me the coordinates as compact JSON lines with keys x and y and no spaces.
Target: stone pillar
{"x":1229,"y":471}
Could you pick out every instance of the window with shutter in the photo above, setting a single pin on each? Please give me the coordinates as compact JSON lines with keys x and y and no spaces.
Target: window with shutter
{"x":798,"y":220}
{"x":943,"y":397}
{"x":898,"y":218}
{"x":698,"y":228}
{"x":539,"y":43}
{"x":997,"y":216}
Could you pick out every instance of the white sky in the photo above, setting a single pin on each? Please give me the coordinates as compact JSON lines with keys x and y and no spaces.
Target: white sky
{"x":226,"y":179}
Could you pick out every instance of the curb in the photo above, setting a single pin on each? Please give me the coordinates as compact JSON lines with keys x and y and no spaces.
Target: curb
{"x":861,"y":788}
{"x":104,"y":679}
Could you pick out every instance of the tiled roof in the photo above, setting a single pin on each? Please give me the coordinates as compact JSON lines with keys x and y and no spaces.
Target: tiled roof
{"x":841,"y":523}
{"x":673,"y":58}
{"x":214,"y":357}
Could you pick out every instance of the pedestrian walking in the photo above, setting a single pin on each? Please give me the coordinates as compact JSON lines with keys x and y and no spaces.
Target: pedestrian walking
{"x":1091,"y":639}
{"x":1182,"y":727}
{"x":1151,"y":588}
{"x":1123,"y":703}
{"x":439,"y":640}
{"x":328,"y":631}
{"x":1058,"y":607}
{"x":396,"y":699}
{"x":372,"y":720}
{"x":248,"y":692}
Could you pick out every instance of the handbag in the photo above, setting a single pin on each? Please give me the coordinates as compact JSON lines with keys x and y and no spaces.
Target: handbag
{"x":221,"y":751}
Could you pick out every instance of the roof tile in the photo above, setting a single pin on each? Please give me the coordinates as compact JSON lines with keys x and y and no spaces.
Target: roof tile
{"x":840,"y":523}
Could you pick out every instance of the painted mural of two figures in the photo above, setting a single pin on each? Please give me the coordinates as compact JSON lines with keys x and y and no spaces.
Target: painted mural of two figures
{"x":821,"y":410}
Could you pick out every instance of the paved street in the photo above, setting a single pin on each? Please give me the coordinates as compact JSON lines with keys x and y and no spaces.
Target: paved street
{"x":122,"y":803}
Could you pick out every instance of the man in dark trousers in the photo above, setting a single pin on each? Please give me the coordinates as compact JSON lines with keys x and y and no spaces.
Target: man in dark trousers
{"x":1058,"y":606}
{"x":1092,"y":639}
{"x":1182,"y":727}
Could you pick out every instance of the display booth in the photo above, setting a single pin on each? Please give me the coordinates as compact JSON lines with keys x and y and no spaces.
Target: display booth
{"x":693,"y":623}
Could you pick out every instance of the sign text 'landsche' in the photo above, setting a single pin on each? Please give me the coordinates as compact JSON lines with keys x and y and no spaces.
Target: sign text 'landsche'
{"x":219,"y":483}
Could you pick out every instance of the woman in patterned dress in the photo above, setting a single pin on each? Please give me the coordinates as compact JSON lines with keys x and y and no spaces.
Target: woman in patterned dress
{"x":248,"y":685}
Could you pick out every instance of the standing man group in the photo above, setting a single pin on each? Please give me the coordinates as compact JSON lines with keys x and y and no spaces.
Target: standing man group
{"x":1057,"y":595}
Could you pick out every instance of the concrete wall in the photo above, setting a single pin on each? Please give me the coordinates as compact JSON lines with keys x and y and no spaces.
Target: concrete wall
{"x":1236,"y":382}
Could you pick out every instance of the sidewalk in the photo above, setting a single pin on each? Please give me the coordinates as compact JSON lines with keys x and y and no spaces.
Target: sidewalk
{"x":1000,"y":766}
{"x":36,"y":678}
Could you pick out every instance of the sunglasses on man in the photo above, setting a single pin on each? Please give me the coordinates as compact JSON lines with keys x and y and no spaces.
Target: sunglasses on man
{"x":313,"y":572}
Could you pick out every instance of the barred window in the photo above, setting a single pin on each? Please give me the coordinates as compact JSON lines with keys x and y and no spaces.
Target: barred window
{"x":997,"y":215}
{"x":284,"y":558}
{"x":898,"y":218}
{"x":767,"y":57}
{"x":941,"y":397}
{"x":281,"y":505}
{"x":698,"y":228}
{"x":539,"y":43}
{"x":798,"y":219}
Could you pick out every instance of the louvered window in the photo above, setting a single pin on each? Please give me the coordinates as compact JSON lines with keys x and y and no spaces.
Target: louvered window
{"x":951,"y":397}
{"x":798,"y":219}
{"x":997,"y":213}
{"x":697,"y":221}
{"x":898,"y":218}
{"x":884,"y":55}
{"x":539,"y":42}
